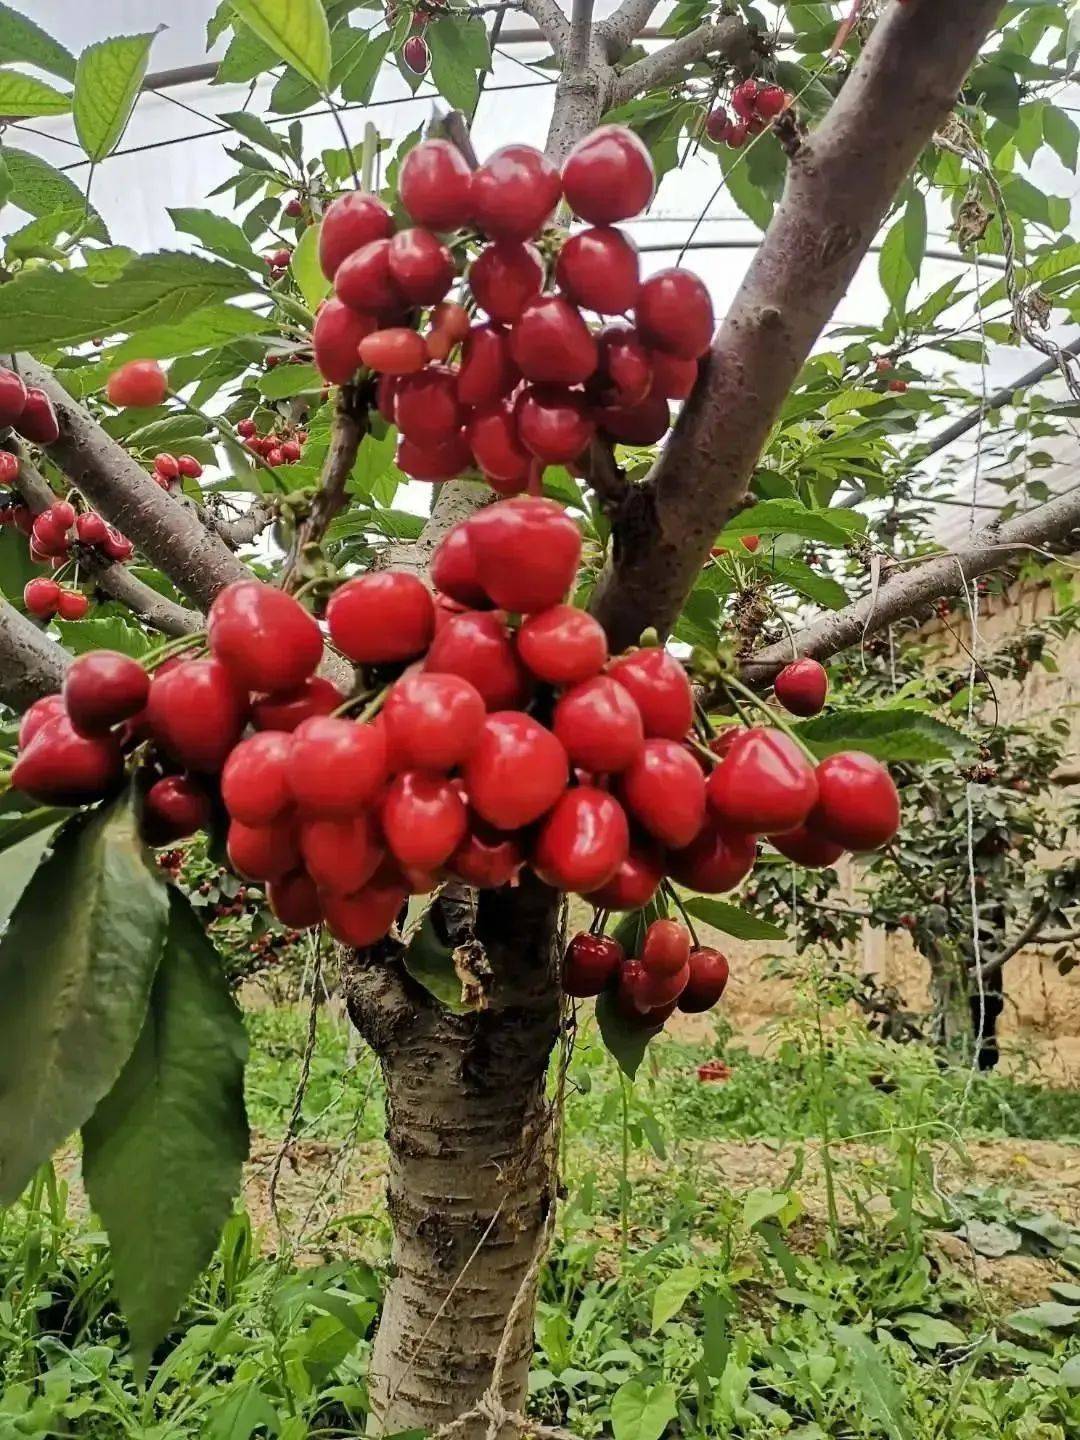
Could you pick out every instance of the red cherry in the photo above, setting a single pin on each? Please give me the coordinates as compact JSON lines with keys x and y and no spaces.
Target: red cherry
{"x":737,"y":135}
{"x":476,"y":645}
{"x":453,"y":569}
{"x":139,"y":384}
{"x":47,"y":708}
{"x":674,"y":313}
{"x":41,"y":597}
{"x":435,"y":184}
{"x":247,"y":428}
{"x":423,"y":818}
{"x":295,"y":901}
{"x":72,"y":605}
{"x":267,"y":639}
{"x":664,"y":790}
{"x":363,"y":279}
{"x":744,"y":99}
{"x":765,"y":785}
{"x":416,"y":54}
{"x":450,"y":320}
{"x":716,"y":124}
{"x":427,"y":408}
{"x":608,"y":176}
{"x":167,"y":465}
{"x":590,"y":964}
{"x":432,"y":721}
{"x":634,"y":883}
{"x":715,"y":860}
{"x":61,"y":767}
{"x":492,"y":435}
{"x":196,"y":712}
{"x":103,"y":688}
{"x":264,"y":852}
{"x":660,"y":689}
{"x":598,"y":269}
{"x":337,"y":766}
{"x":9,"y":468}
{"x":90,"y":528}
{"x":381,"y":617}
{"x":342,"y":855}
{"x":551,"y":343}
{"x":189,"y":467}
{"x":291,"y":452}
{"x":807,"y":848}
{"x":554,"y":424}
{"x":665,"y":948}
{"x":486,"y":859}
{"x":255,"y":780}
{"x":12,"y":396}
{"x":517,"y":771}
{"x":672,"y":377}
{"x":770,"y":101}
{"x":336,"y":338}
{"x":444,"y":460}
{"x":898,"y":387}
{"x":486,"y":372}
{"x":504,"y":277}
{"x":562,"y":645}
{"x":514,"y":193}
{"x":582,"y":842}
{"x":802,"y":686}
{"x":362,"y":919}
{"x":527,"y":551}
{"x":421,"y":266}
{"x":645,"y":423}
{"x":625,"y":372}
{"x":173,"y":809}
{"x":857,"y":804}
{"x":750,"y":542}
{"x":707,"y":982}
{"x":351,"y":222}
{"x":294,"y":209}
{"x":38,"y":422}
{"x":650,"y":991}
{"x":600,"y":726}
{"x":396,"y":350}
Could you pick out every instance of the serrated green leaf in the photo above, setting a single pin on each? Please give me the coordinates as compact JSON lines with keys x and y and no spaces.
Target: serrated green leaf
{"x":453,"y":66}
{"x":788,"y":517}
{"x":38,"y":238}
{"x":891,"y":733}
{"x":76,"y":966}
{"x":881,"y":1396}
{"x":111,"y":633}
{"x":208,"y":328}
{"x":162,"y":1153}
{"x":21,"y":39}
{"x":296,"y":31}
{"x":107,"y":80}
{"x":642,"y":1412}
{"x":672,"y":1294}
{"x":306,"y":270}
{"x":25,"y":96}
{"x":39,"y":189}
{"x":224,"y":237}
{"x":722,"y":915}
{"x":286,"y":380}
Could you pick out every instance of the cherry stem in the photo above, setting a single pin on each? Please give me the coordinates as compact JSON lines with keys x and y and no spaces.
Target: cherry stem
{"x":730,"y":683}
{"x":372,"y":704}
{"x":687,"y":921}
{"x":703,"y":750}
{"x":153,"y":658}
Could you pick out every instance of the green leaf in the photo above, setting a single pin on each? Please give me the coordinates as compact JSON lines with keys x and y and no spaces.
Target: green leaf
{"x":20,"y":861}
{"x":626,"y":1039}
{"x":38,"y":238}
{"x":641,"y":1412}
{"x":306,"y":270}
{"x":902,"y":253}
{"x":672,"y":1294}
{"x":21,"y":39}
{"x":247,"y":57}
{"x":255,"y":130}
{"x":224,"y":237}
{"x":929,"y":1331}
{"x":1061,"y":134}
{"x":731,"y":920}
{"x":25,"y":95}
{"x":750,"y":198}
{"x":163,"y":1150}
{"x":42,"y":309}
{"x":107,"y":80}
{"x":430,"y":962}
{"x":895,"y":732}
{"x":296,"y":31}
{"x":1042,"y":1319}
{"x":881,"y":1396}
{"x":798,"y":576}
{"x":205,"y":329}
{"x":788,"y":517}
{"x":39,"y":189}
{"x":6,"y":182}
{"x":454,"y":65}
{"x":76,"y":966}
{"x":111,"y":633}
{"x":763,"y":1204}
{"x":357,"y":86}
{"x":286,"y":380}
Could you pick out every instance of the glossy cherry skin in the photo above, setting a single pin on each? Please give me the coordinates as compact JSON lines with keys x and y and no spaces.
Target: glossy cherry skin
{"x":486,"y":858}
{"x":337,"y":767}
{"x":660,"y":689}
{"x":350,"y":222}
{"x":665,"y":948}
{"x":624,"y":373}
{"x":286,"y":709}
{"x":802,"y":687}
{"x":514,"y":193}
{"x":648,"y":991}
{"x":527,"y":551}
{"x":504,"y":277}
{"x":38,"y":421}
{"x":486,"y":372}
{"x":265,"y":852}
{"x":600,"y":726}
{"x":47,"y":708}
{"x":707,"y":982}
{"x":361,"y":919}
{"x":423,"y":819}
{"x":598,"y":269}
{"x":608,"y":176}
{"x":582,"y":841}
{"x":664,"y":790}
{"x":61,"y":767}
{"x":562,"y":645}
{"x":381,"y":617}
{"x":255,"y":778}
{"x":116,"y":546}
{"x":421,"y":266}
{"x":103,"y":688}
{"x":715,"y":860}
{"x":444,"y":460}
{"x":493,"y":438}
{"x":590,"y":964}
{"x":453,"y":569}
{"x":674,"y":313}
{"x":9,"y":467}
{"x":295,"y":901}
{"x":342,"y":855}
{"x":173,"y":809}
{"x":432,"y":721}
{"x":12,"y":396}
{"x":807,"y":848}
{"x":857,"y":804}
{"x":139,"y":383}
{"x":195,"y":712}
{"x":517,"y":771}
{"x":72,"y":605}
{"x":394,"y":350}
{"x":265,"y":638}
{"x":672,"y":377}
{"x":553,"y":423}
{"x":90,"y":527}
{"x":551,"y":344}
{"x":634,"y":883}
{"x":435,"y":184}
{"x":765,"y":785}
{"x":477,"y":646}
{"x":336,"y":337}
{"x":645,"y":423}
{"x":427,"y":408}
{"x":41,"y":596}
{"x":364,"y":282}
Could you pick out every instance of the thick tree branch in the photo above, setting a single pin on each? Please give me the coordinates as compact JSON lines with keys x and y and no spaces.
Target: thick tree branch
{"x":841,"y":184}
{"x":551,"y":22}
{"x":1030,"y":932}
{"x":31,"y":665}
{"x":579,"y":45}
{"x":245,"y":528}
{"x":623,"y":26}
{"x":729,"y":37}
{"x":348,"y":428}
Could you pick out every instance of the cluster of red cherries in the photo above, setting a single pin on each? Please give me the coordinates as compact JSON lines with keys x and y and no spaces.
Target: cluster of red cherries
{"x":279,"y":447}
{"x":27,"y":409}
{"x":533,"y":382}
{"x":491,"y":730}
{"x":168,"y":470}
{"x":668,"y":973}
{"x":755,"y":106}
{"x":57,"y":536}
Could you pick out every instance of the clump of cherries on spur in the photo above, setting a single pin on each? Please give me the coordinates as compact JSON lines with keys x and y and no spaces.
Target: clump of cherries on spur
{"x":501,"y":735}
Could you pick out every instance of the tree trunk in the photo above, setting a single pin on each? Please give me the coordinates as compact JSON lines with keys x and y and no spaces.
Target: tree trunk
{"x":950,"y":1013}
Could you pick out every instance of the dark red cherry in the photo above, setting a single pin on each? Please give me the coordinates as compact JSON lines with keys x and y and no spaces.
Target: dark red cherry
{"x":514,"y":193}
{"x":715,"y":860}
{"x":504,"y":277}
{"x":664,"y":791}
{"x":554,"y":424}
{"x":802,"y":687}
{"x":582,"y":841}
{"x":707,"y":982}
{"x":103,"y":688}
{"x":590,"y":965}
{"x":598,"y":269}
{"x":765,"y":785}
{"x":608,"y":176}
{"x":364,"y":282}
{"x":551,"y":344}
{"x":434,"y":185}
{"x":486,"y":372}
{"x":265,"y":638}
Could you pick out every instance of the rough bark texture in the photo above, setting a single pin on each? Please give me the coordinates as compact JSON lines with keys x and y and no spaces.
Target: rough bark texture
{"x":31,"y":665}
